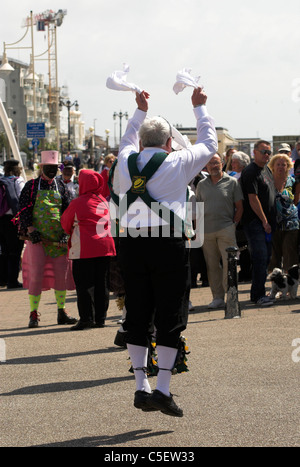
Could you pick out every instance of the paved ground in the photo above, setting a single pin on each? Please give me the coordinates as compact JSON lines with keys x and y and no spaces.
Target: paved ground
{"x":62,"y":388}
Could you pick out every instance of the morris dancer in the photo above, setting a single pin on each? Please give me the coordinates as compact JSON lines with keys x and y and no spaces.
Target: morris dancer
{"x":156,"y":268}
{"x":45,"y":263}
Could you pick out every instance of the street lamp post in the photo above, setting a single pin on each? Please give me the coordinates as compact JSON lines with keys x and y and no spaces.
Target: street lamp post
{"x":120,"y":115}
{"x":63,"y":103}
{"x":107,"y":140}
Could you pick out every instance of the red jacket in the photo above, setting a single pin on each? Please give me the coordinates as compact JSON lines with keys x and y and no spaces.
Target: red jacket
{"x":105,"y":175}
{"x":87,"y":220}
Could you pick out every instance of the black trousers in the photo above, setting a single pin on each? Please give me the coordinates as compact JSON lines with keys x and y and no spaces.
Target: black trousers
{"x":11,"y":250}
{"x":157,"y":284}
{"x":91,"y":277}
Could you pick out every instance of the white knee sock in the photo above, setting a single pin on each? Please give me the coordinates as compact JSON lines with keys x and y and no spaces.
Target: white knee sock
{"x":165,"y":358}
{"x":138,"y":356}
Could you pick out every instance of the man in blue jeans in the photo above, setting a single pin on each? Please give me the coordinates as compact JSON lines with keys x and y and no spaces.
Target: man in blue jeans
{"x":259,"y":218}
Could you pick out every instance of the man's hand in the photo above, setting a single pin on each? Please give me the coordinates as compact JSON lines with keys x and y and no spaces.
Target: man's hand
{"x":141,"y":100}
{"x":267,"y":227}
{"x":199,"y":97}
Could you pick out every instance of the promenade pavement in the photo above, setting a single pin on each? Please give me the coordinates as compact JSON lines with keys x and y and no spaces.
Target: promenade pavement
{"x":73,"y":389}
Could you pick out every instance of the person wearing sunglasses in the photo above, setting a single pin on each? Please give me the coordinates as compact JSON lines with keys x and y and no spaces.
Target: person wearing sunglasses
{"x":259,"y":218}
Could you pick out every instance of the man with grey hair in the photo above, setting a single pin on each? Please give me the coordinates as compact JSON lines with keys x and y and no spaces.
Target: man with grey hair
{"x":156,"y":268}
{"x":223,"y":209}
{"x":154,"y":132}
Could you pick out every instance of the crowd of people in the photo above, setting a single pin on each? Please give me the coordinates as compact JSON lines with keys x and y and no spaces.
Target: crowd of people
{"x":62,"y":224}
{"x":262,"y":208}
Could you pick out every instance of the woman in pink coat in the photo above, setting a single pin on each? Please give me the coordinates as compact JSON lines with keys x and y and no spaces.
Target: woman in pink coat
{"x":91,"y":245}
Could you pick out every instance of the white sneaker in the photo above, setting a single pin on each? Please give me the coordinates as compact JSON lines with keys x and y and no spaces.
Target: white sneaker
{"x":264,"y":301}
{"x":216,"y":303}
{"x":191,"y":306}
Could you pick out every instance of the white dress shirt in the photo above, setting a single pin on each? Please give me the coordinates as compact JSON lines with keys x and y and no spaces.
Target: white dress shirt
{"x":169,"y":183}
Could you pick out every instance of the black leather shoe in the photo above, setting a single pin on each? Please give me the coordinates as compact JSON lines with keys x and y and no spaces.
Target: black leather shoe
{"x":99,"y":324}
{"x":141,"y":399}
{"x":165,"y":404}
{"x":64,"y":318}
{"x":81,"y":325}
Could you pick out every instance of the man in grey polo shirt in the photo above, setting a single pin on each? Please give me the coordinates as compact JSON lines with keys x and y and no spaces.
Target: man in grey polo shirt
{"x":223,"y":209}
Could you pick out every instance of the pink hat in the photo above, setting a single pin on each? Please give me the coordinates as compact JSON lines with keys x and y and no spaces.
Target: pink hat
{"x":49,"y":158}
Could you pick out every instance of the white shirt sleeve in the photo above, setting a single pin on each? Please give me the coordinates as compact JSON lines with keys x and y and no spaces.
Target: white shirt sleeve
{"x":130,"y":140}
{"x":195,"y":158}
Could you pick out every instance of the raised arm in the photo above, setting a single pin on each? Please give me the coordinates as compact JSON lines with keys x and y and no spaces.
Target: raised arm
{"x":196,"y":157}
{"x":130,"y":140}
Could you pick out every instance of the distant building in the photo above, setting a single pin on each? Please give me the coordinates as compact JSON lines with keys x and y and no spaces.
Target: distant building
{"x":289,"y":139}
{"x":19,"y":99}
{"x":20,"y":105}
{"x":77,"y":129}
{"x":225,"y":140}
{"x":246,"y":145}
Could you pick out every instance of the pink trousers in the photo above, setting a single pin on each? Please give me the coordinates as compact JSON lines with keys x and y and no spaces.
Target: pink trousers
{"x":41,"y":272}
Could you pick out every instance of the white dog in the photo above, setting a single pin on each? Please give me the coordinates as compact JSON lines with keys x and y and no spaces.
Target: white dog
{"x":286,"y":283}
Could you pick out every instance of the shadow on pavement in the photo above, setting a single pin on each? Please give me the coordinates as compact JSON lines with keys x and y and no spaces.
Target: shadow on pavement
{"x":96,"y":441}
{"x":65,"y":386}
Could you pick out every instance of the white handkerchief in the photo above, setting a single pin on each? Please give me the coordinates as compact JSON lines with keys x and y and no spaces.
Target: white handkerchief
{"x":179,"y":141}
{"x":118,"y":81}
{"x":184,"y":79}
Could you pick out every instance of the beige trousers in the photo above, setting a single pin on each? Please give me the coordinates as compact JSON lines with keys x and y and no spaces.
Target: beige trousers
{"x":214,"y":248}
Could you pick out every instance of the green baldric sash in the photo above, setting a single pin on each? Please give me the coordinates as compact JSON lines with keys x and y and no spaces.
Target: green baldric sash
{"x":139,"y":189}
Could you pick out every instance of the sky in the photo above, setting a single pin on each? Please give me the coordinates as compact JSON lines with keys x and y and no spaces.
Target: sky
{"x":246,"y":52}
